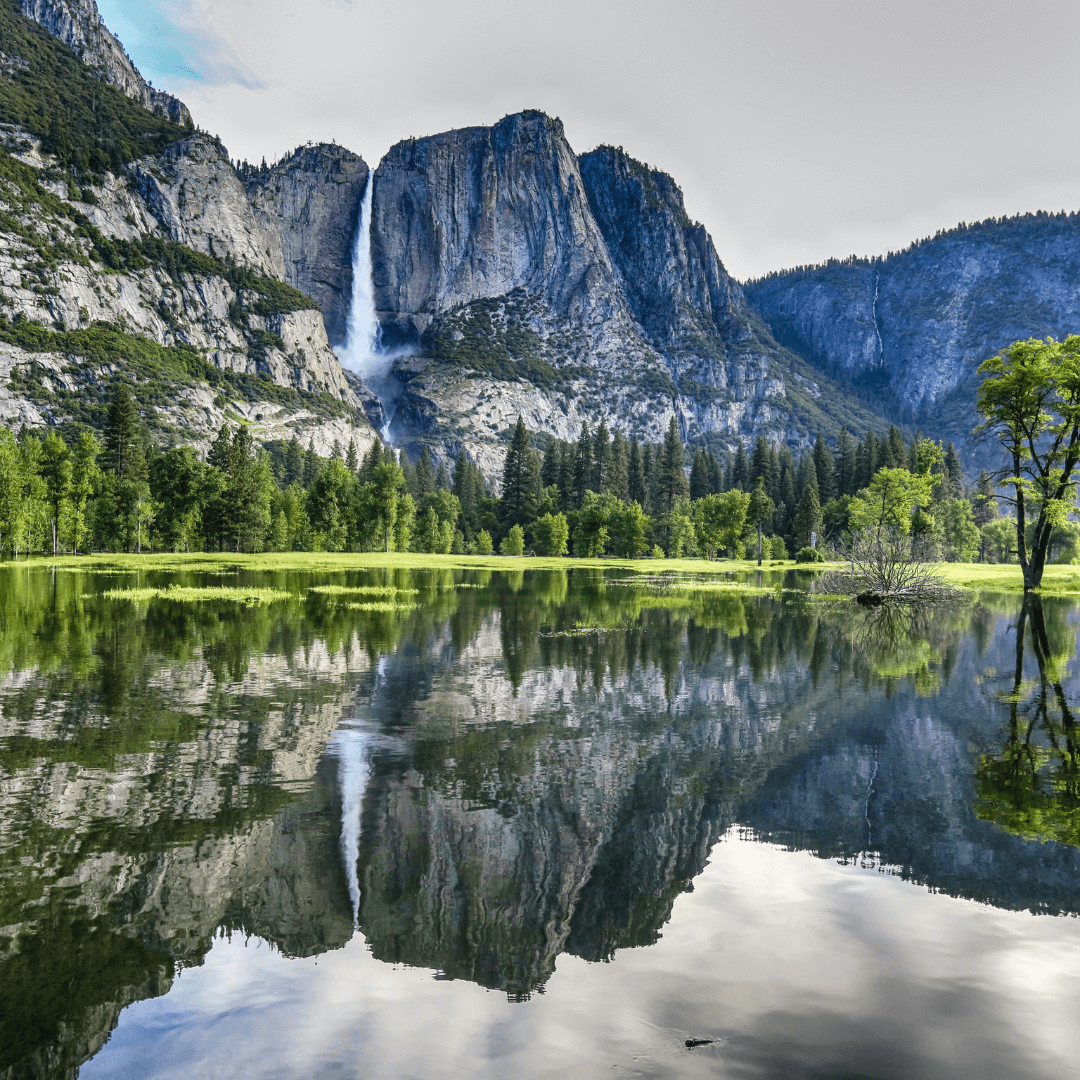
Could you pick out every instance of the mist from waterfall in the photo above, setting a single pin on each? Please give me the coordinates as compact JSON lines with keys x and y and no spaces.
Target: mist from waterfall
{"x":363,"y":350}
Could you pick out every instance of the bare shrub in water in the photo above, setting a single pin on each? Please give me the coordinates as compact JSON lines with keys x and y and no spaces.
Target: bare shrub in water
{"x":884,"y":564}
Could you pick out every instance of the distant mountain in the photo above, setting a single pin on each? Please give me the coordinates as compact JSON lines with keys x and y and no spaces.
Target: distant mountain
{"x":908,"y":332}
{"x":510,"y":275}
{"x":526,"y":279}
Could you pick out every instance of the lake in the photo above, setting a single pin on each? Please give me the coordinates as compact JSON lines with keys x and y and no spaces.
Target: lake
{"x":566,"y":823}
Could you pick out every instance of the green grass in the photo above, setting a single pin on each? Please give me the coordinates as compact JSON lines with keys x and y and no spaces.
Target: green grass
{"x":326,"y":561}
{"x":248,"y":595}
{"x":988,"y":577}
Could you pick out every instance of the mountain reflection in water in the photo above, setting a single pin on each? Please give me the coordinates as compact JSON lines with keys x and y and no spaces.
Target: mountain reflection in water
{"x":486,"y":772}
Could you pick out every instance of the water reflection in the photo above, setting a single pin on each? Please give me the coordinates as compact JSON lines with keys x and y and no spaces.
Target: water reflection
{"x":517,"y":769}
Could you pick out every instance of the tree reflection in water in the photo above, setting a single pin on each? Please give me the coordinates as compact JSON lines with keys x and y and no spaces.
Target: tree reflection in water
{"x":1030,"y":785}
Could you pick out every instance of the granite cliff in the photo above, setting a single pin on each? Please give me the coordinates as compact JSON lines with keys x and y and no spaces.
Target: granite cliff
{"x":522,"y":278}
{"x":136,"y":253}
{"x":910,"y":330}
{"x":79,"y":24}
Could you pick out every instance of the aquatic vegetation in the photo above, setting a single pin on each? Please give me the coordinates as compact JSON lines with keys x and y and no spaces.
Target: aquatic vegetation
{"x":249,"y":595}
{"x":362,"y":590}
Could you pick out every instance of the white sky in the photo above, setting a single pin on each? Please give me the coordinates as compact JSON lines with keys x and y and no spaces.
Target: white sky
{"x":797,"y":130}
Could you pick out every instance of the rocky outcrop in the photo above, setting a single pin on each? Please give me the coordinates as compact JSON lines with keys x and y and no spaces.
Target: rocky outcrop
{"x":915,"y":326}
{"x":78,"y":24}
{"x":673,"y":279}
{"x":194,"y":193}
{"x":311,"y":202}
{"x":522,"y":280}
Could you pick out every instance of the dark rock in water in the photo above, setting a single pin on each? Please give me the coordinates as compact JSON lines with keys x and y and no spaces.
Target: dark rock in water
{"x":691,"y":1043}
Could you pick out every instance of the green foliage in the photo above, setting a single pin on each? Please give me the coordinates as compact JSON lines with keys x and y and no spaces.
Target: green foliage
{"x":89,"y":126}
{"x":492,"y":337}
{"x":514,"y":542}
{"x":1030,"y":402}
{"x":550,"y":534}
{"x":809,"y":555}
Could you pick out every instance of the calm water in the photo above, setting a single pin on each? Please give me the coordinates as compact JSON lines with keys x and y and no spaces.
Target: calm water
{"x":533,"y":825}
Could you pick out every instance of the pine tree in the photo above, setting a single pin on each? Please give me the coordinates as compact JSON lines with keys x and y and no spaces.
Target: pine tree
{"x":351,"y":460}
{"x":515,"y":493}
{"x":618,"y":478}
{"x":601,"y":459}
{"x":549,"y":471}
{"x":567,"y":457}
{"x":713,"y":467}
{"x":425,"y":477}
{"x":844,"y":463}
{"x":671,"y":480}
{"x":808,"y":516}
{"x":312,"y":463}
{"x":582,"y":465}
{"x":634,"y":479}
{"x":824,"y":467}
{"x":124,"y":455}
{"x":740,"y":469}
{"x":293,"y":472}
{"x":699,"y":476}
{"x":954,"y":474}
{"x":866,"y":461}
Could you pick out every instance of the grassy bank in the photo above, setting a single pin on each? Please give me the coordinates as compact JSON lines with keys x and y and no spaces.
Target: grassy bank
{"x":987,"y":577}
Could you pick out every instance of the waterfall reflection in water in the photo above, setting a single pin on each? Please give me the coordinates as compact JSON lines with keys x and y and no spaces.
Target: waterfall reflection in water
{"x":817,"y":838}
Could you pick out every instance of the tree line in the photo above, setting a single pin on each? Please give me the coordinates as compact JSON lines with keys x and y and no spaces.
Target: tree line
{"x":603,"y":494}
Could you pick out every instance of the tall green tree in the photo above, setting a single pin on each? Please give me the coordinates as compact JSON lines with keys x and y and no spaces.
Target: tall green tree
{"x":1030,"y":402}
{"x":760,"y":512}
{"x":808,"y":519}
{"x":85,"y":474}
{"x":55,"y":466}
{"x":514,"y":505}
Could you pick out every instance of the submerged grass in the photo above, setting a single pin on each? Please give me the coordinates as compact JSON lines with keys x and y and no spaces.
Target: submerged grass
{"x":382,"y":605}
{"x":250,"y":595}
{"x":362,"y":590}
{"x":990,"y":577}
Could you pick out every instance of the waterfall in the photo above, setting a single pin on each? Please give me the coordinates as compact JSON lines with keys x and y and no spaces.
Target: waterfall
{"x":353,"y":750}
{"x":363,"y":350}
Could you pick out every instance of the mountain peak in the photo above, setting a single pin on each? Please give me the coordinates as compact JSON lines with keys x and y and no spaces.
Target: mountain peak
{"x":78,"y":24}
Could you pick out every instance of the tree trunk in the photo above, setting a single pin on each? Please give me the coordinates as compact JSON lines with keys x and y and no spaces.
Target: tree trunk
{"x":759,"y":543}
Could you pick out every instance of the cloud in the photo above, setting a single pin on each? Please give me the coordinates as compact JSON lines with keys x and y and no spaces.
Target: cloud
{"x":796,"y":131}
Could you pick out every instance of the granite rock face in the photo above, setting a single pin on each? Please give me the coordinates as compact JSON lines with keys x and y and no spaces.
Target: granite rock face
{"x":311,"y":202}
{"x":522,"y":279}
{"x":916,"y":325}
{"x":194,"y":193}
{"x":78,"y":23}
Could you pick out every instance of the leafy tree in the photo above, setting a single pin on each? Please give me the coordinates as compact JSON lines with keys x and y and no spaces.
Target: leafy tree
{"x":591,"y":525}
{"x":13,"y":485}
{"x":513,"y":542}
{"x":84,"y":477}
{"x":889,"y":500}
{"x":760,"y":512}
{"x":1030,"y":401}
{"x":550,"y":534}
{"x":386,"y":486}
{"x":960,"y":534}
{"x":483,"y":545}
{"x":177,"y":485}
{"x":999,"y":540}
{"x":55,"y":466}
{"x":630,"y":530}
{"x":719,"y":521}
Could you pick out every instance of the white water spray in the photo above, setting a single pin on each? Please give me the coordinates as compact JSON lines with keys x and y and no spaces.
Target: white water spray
{"x":353,"y":750}
{"x":363,"y":350}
